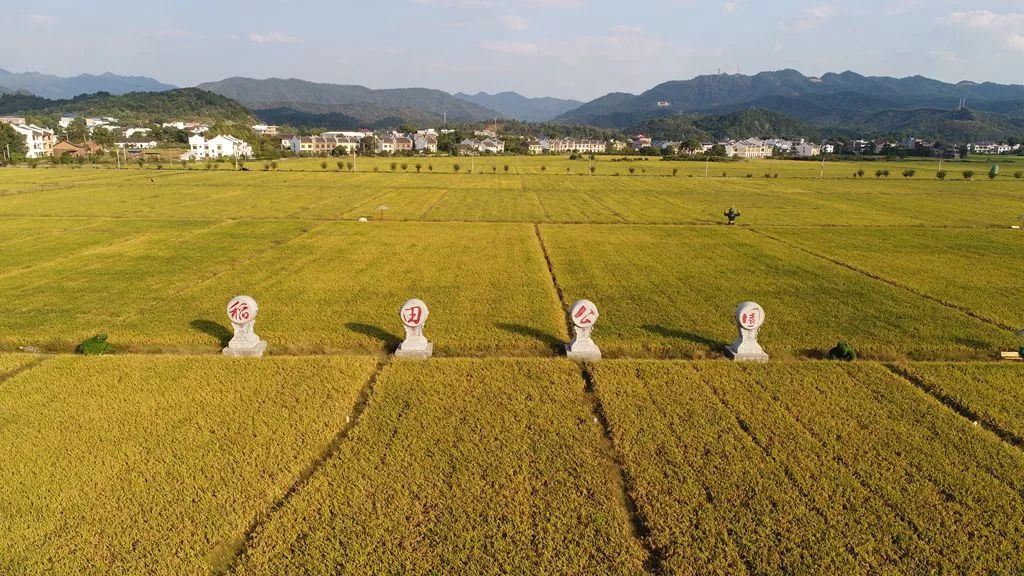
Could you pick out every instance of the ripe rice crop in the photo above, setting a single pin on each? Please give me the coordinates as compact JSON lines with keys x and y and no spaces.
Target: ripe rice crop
{"x":993,"y":393}
{"x":163,"y":285}
{"x":460,"y":466}
{"x":979,"y":270}
{"x":810,"y":468}
{"x":158,"y":465}
{"x":671,"y":291}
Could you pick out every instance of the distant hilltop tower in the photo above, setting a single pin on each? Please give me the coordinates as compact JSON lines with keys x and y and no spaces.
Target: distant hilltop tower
{"x":963,"y":104}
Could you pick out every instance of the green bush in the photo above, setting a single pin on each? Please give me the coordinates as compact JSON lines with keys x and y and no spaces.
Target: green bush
{"x":1018,"y":175}
{"x":95,"y":346}
{"x":842,"y":351}
{"x":941,"y":174}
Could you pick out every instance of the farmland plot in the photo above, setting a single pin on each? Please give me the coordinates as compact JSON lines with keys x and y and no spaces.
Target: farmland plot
{"x":460,"y":466}
{"x":810,"y":468}
{"x":993,"y":393}
{"x":129,"y":465}
{"x":978,"y":270}
{"x":320,"y":286}
{"x":671,"y":291}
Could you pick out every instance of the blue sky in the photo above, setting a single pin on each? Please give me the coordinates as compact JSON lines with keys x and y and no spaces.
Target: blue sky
{"x":566,"y":48}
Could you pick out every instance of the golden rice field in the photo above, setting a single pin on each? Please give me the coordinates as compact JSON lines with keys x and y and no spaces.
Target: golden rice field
{"x":499,"y":455}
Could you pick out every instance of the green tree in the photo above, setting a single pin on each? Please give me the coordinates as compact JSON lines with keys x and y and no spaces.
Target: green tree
{"x":77,"y":131}
{"x":968,"y":174}
{"x":909,"y":173}
{"x":941,"y":174}
{"x":11,"y":140}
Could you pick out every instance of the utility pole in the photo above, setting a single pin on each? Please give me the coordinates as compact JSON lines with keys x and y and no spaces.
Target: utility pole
{"x":707,"y":165}
{"x":822,"y":177}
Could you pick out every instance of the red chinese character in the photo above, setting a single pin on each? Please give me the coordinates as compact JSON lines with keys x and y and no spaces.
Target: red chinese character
{"x":239,"y":311}
{"x":412,"y":315}
{"x":749,"y":319}
{"x":584,"y":315}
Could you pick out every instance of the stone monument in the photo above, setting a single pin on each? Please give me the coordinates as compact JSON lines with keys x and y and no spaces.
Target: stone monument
{"x":749,"y":318}
{"x":583,"y":315}
{"x":414,"y":315}
{"x":242,"y":313}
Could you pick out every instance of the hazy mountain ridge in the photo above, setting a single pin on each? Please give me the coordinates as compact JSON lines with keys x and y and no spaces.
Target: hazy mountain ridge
{"x":368,"y":106}
{"x":515,"y":106}
{"x":58,"y":87}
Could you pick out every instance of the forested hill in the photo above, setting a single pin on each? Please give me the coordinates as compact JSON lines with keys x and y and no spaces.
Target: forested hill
{"x":358,"y":105}
{"x":846,"y":103}
{"x":186,"y":104}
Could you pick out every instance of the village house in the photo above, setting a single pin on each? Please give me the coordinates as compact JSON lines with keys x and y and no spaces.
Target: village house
{"x":12,"y":120}
{"x":320,"y":145}
{"x":535,"y":147}
{"x":223,"y":146}
{"x":425,"y":142}
{"x":807,"y":150}
{"x":265,"y":129}
{"x":485,"y":146}
{"x":65,"y":148}
{"x":133,"y":145}
{"x":38,"y":140}
{"x":752,"y":148}
{"x":393,"y":144}
{"x":128,"y":133}
{"x":640,"y":141}
{"x":359,"y":134}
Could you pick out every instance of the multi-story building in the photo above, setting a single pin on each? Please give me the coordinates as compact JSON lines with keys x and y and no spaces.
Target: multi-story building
{"x":752,"y":148}
{"x":425,"y":142}
{"x":322,"y":145}
{"x":222,"y":146}
{"x":487,"y":145}
{"x":807,"y":149}
{"x":394,"y":144}
{"x":265,"y":129}
{"x":39,"y":141}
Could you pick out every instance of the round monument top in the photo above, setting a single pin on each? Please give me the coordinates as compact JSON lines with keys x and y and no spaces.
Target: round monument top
{"x":242,"y":309}
{"x":749,"y":315}
{"x":414,"y":313}
{"x":583,"y":314}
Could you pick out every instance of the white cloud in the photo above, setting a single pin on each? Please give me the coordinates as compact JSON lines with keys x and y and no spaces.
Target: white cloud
{"x":985,"y":19}
{"x":1016,"y":41}
{"x":811,"y":18}
{"x":729,"y":8}
{"x":514,"y":23}
{"x":622,"y":29}
{"x":40,"y":19}
{"x":511,"y":47}
{"x":272,"y":38}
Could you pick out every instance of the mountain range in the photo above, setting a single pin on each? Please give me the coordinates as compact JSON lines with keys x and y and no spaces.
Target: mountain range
{"x":846,"y":102}
{"x":58,"y":87}
{"x":186,"y":104}
{"x":514,"y":106}
{"x":347,"y":106}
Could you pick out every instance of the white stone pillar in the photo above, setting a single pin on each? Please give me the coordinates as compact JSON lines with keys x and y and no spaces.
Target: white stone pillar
{"x":583,"y":315}
{"x":749,"y":318}
{"x":242,"y":313}
{"x":414,"y":315}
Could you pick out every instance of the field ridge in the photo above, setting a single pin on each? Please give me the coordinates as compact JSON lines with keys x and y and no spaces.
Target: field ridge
{"x":962,"y":409}
{"x":895,"y":284}
{"x":624,"y":485}
{"x":311,"y":468}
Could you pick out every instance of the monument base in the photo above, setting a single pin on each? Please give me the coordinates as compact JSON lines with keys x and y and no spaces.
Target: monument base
{"x":248,"y":351}
{"x":738,"y":356}
{"x":415,"y":354}
{"x":588,"y":355}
